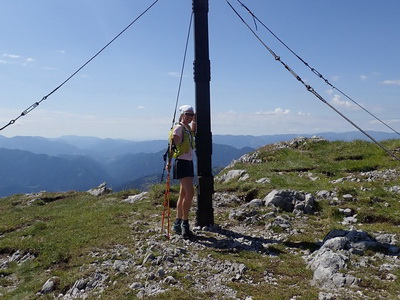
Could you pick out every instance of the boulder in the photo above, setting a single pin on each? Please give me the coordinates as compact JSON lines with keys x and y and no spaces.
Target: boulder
{"x":330,"y":261}
{"x":50,"y":285}
{"x":135,"y":198}
{"x":233,"y":174}
{"x":327,"y":266}
{"x":291,"y":201}
{"x":101,"y":190}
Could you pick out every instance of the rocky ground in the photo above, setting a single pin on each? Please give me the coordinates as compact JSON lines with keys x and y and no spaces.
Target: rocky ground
{"x":262,"y":227}
{"x":157,"y":264}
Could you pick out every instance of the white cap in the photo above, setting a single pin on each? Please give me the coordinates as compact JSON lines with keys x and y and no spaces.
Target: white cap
{"x":186,"y":108}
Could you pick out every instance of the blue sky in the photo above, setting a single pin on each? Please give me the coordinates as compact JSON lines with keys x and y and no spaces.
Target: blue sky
{"x":129,"y":90}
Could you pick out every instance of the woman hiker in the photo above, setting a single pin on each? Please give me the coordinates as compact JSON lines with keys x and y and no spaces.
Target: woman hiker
{"x":183,"y":134}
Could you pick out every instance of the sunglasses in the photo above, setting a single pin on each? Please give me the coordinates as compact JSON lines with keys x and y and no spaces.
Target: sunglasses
{"x":189,"y":114}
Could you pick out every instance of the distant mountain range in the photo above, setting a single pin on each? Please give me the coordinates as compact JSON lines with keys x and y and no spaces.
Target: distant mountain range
{"x":75,"y":145}
{"x":105,"y":148}
{"x":25,"y":172}
{"x":258,"y":141}
{"x":32,"y":164}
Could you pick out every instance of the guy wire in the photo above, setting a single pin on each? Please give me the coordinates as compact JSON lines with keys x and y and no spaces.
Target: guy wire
{"x":309,"y":88}
{"x":182,"y":69}
{"x":36,"y":104}
{"x":313,"y":70}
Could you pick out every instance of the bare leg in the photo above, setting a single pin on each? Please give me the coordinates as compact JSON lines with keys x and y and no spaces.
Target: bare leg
{"x":185,"y":200}
{"x":179,"y":204}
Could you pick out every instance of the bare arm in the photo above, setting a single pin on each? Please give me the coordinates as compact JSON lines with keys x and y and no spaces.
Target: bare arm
{"x":177,"y":139}
{"x":194,"y":124}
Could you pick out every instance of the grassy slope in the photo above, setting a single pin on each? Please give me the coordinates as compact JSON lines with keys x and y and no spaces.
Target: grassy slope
{"x":61,"y":229}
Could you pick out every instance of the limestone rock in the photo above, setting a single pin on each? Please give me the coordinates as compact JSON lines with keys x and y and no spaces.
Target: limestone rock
{"x":102,"y":189}
{"x":291,"y":201}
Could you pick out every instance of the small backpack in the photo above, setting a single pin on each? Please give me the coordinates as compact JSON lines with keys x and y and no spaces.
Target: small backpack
{"x":176,"y":150}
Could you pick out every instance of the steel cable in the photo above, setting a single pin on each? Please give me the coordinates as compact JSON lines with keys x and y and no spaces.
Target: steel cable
{"x":316,"y":72}
{"x":36,"y":104}
{"x":309,"y":88}
{"x":166,"y":154}
{"x":182,"y":69}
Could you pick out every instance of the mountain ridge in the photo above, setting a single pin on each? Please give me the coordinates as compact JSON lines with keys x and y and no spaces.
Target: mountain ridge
{"x":28,"y":161}
{"x":102,"y":148}
{"x":26,"y":172}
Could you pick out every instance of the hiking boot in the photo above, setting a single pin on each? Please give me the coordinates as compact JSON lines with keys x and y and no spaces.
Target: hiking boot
{"x":186,"y":233}
{"x":177,"y":228}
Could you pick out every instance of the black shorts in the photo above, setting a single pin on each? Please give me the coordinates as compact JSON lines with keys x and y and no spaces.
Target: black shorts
{"x":183,"y":168}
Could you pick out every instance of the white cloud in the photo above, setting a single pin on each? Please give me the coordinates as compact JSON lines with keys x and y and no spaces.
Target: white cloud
{"x":16,"y":59}
{"x":174,"y":74}
{"x":50,"y":123}
{"x":280,"y":111}
{"x":337,"y":101}
{"x":277,"y":111}
{"x":49,"y":68}
{"x":364,"y":77}
{"x":391,"y":82}
{"x":28,"y":62}
{"x":230,"y":112}
{"x":141,"y":107}
{"x":13,"y":56}
{"x":330,"y":91}
{"x":276,"y":123}
{"x":389,"y":121}
{"x":335,"y":78}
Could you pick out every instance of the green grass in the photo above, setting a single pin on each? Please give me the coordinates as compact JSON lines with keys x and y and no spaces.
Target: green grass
{"x":325,"y":160}
{"x":377,"y":209}
{"x":61,"y":229}
{"x":60,"y":234}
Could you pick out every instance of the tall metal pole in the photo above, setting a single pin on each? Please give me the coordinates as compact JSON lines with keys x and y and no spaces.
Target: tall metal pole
{"x":202,"y":77}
